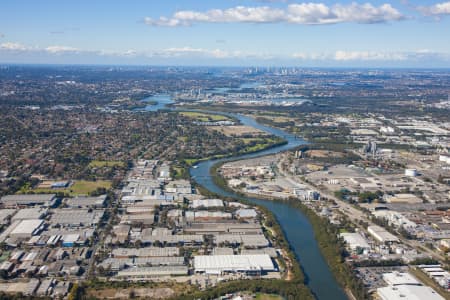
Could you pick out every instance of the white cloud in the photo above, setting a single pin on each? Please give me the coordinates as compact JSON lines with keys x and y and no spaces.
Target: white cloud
{"x":61,"y":49}
{"x":18,"y":47}
{"x":311,"y":56}
{"x":9,"y":46}
{"x":301,"y":13}
{"x":199,"y":52}
{"x":369,"y":56}
{"x":126,"y":53}
{"x":438,"y":9}
{"x":217,"y":54}
{"x":347,"y":56}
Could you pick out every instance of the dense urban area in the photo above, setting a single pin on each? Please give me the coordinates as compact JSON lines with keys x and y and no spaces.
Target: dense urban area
{"x":97,"y":198}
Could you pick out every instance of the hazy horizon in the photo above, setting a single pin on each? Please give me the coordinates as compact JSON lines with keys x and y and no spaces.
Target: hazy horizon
{"x":372,"y":34}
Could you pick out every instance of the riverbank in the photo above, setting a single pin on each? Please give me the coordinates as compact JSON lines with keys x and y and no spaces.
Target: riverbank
{"x":292,"y":286}
{"x":326,"y":234}
{"x":296,"y":226}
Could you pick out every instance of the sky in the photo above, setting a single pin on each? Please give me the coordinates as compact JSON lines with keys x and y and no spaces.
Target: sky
{"x":372,"y":33}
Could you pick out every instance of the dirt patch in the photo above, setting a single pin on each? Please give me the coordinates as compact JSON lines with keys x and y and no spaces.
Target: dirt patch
{"x":323,"y":153}
{"x":239,"y":130}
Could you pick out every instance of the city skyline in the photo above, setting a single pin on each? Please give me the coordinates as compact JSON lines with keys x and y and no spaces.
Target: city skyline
{"x":228,"y":33}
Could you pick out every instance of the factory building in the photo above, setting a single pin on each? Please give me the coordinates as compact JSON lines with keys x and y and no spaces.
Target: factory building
{"x":381,"y":235}
{"x":27,"y":228}
{"x":221,"y":264}
{"x":12,"y":201}
{"x":405,"y":286}
{"x":207,"y":203}
{"x":355,"y":241}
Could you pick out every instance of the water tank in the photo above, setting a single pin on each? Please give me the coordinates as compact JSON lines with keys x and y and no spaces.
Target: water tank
{"x":411,"y":172}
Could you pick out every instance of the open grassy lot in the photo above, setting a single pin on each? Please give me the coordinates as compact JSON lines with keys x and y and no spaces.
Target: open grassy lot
{"x":85,"y":187}
{"x":202,"y":117}
{"x":258,"y":144}
{"x":4,"y":256}
{"x":80,"y":187}
{"x":261,"y":296}
{"x":105,"y":163}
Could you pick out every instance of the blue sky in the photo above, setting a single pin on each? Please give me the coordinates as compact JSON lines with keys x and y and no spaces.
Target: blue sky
{"x":227,"y":32}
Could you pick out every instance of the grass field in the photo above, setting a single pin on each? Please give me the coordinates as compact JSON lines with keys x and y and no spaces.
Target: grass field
{"x":249,"y":140}
{"x":179,"y":172}
{"x":202,"y":117}
{"x":80,"y":187}
{"x":260,"y":296}
{"x":5,"y":256}
{"x":191,"y":161}
{"x":105,"y":163}
{"x":85,"y":187}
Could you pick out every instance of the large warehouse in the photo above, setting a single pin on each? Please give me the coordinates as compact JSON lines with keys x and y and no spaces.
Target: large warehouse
{"x":381,"y":234}
{"x":27,"y":228}
{"x":12,"y":201}
{"x":405,"y":286}
{"x":219,"y":264}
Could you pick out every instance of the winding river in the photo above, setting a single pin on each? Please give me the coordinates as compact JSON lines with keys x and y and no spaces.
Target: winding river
{"x":294,"y":223}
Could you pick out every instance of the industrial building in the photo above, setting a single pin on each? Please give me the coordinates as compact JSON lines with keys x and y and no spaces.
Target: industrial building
{"x":5,"y":214}
{"x":246,"y":240}
{"x":82,"y":202}
{"x":223,"y":227}
{"x":205,"y":215}
{"x":149,"y":272}
{"x":355,"y":241}
{"x":27,"y":228}
{"x":22,"y":200}
{"x":175,"y":239}
{"x":30,"y":213}
{"x":405,"y":286}
{"x":246,"y":213}
{"x":118,"y":264}
{"x":207,"y":203}
{"x":145,"y":252}
{"x":76,"y":217}
{"x":179,"y":187}
{"x":220,"y":264}
{"x":269,"y":251}
{"x":381,"y":234}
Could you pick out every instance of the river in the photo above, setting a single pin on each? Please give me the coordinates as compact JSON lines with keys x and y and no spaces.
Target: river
{"x":161,"y":101}
{"x":294,"y":223}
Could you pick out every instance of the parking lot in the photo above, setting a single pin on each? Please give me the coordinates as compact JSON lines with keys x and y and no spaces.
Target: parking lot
{"x":372,"y":276}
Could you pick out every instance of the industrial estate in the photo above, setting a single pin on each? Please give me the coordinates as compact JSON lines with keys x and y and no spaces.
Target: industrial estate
{"x":249,"y":184}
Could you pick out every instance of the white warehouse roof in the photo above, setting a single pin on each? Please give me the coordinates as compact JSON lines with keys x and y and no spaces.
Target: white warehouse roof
{"x":207,"y":203}
{"x":381,"y":234}
{"x":355,"y":240}
{"x":27,"y":227}
{"x":397,"y":278}
{"x":246,"y":213}
{"x":410,"y":292}
{"x":217,"y":264}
